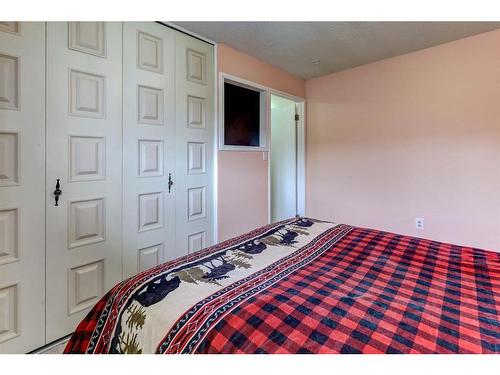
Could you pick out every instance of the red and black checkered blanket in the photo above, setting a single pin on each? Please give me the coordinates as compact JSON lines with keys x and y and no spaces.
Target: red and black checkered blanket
{"x":305,"y":286}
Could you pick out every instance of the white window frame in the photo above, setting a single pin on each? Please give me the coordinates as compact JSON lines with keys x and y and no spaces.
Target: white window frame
{"x":264,"y":105}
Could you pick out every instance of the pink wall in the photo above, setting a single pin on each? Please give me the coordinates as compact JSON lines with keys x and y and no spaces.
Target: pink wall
{"x":417,"y":135}
{"x":242,"y":176}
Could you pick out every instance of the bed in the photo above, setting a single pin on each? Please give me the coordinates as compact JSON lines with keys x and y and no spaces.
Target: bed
{"x":305,"y":286}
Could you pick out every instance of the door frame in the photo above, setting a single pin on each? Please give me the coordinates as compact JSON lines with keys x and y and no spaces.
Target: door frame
{"x":301,"y":152}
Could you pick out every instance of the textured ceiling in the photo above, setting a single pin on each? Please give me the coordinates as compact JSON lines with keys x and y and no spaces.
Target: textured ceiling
{"x":293,"y":46}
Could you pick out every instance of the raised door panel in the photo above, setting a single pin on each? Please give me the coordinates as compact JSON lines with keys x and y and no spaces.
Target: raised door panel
{"x":196,"y":66}
{"x":150,"y":211}
{"x":150,"y":257}
{"x":8,"y":313}
{"x":22,"y":193}
{"x":150,"y":105}
{"x":85,"y":286}
{"x":9,"y":235}
{"x":150,"y":158}
{"x":9,"y":81}
{"x":87,"y":222}
{"x":149,"y":52}
{"x":197,"y":203}
{"x":194,"y":144}
{"x":87,"y":158}
{"x":87,"y":94}
{"x":9,"y":158}
{"x":196,"y":112}
{"x":87,"y":37}
{"x":149,"y":138}
{"x":84,"y":151}
{"x":197,"y":157}
{"x":12,"y":27}
{"x":196,"y":241}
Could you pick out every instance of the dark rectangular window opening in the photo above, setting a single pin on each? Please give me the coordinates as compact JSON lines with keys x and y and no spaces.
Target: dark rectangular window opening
{"x":241,"y":116}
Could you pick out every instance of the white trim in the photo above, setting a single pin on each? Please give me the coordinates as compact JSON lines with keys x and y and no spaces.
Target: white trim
{"x":264,"y":128}
{"x":174,"y":26}
{"x":244,"y":82}
{"x":301,"y":153}
{"x":215,"y":150}
{"x":294,"y":98}
{"x":47,"y":348}
{"x":301,"y":159}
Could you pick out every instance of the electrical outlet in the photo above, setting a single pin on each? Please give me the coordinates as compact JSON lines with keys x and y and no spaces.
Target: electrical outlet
{"x":419,"y":222}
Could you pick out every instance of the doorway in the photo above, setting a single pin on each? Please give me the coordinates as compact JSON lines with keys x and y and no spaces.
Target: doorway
{"x":286,"y":158}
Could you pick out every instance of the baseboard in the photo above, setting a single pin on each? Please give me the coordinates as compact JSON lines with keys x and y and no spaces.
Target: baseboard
{"x":49,"y":348}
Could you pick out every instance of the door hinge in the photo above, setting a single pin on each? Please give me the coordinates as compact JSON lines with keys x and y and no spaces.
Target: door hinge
{"x":297,"y":117}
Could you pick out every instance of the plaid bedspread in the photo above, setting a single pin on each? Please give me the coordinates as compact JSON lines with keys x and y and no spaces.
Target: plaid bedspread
{"x":305,"y":286}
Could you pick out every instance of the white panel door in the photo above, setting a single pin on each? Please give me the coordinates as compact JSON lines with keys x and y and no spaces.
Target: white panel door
{"x":22,"y":175}
{"x":194,"y":88}
{"x":149,"y":145}
{"x":84,"y":151}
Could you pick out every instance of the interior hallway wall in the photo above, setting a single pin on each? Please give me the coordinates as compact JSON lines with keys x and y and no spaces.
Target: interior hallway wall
{"x":243,"y":175}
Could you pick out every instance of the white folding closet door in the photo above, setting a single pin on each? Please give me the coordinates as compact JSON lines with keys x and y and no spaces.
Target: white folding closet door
{"x":84,"y":151}
{"x":149,"y":145}
{"x":194,"y":91}
{"x":66,"y":117}
{"x":22,"y":167}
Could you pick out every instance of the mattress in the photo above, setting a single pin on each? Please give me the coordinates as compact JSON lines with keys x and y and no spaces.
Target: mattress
{"x":305,"y":286}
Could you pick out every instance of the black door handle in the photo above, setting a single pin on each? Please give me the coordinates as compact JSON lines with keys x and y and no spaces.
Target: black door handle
{"x":170,"y":182}
{"x":57,"y":192}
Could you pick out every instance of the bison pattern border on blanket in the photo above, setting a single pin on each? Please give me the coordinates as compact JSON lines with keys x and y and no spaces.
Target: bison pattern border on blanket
{"x":228,"y":298}
{"x":105,"y":336}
